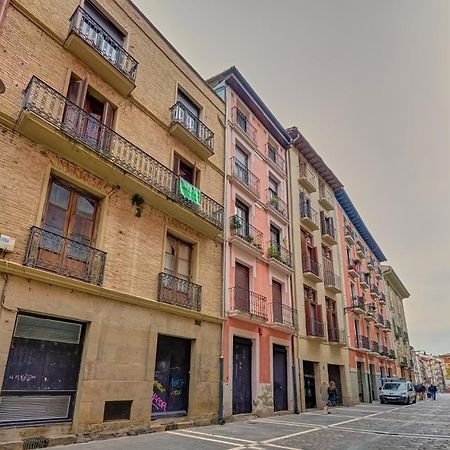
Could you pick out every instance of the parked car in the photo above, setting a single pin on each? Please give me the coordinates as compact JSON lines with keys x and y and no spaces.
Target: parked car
{"x":398,"y":392}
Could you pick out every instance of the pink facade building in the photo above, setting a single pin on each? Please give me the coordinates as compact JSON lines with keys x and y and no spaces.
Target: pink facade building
{"x":259,"y":314}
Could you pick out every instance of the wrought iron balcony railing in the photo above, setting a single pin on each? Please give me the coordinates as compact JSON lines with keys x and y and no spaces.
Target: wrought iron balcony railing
{"x":350,"y":235}
{"x":392,"y":354}
{"x":362,"y":342}
{"x":276,"y":251}
{"x":243,"y":122}
{"x":360,"y":249}
{"x":77,"y":124}
{"x":375,"y":347}
{"x":249,"y":302}
{"x":283,"y":314}
{"x":327,"y":228}
{"x":315,"y":328}
{"x":179,"y":292}
{"x":246,"y":231}
{"x":309,"y":264}
{"x":387,"y":324}
{"x":336,"y":335}
{"x":275,"y":157}
{"x":243,"y":174}
{"x":384,"y":351}
{"x":180,"y":114}
{"x":306,"y":211}
{"x":64,"y":256}
{"x":325,"y":194}
{"x":331,"y":279}
{"x":99,"y":39}
{"x":275,"y":202}
{"x":380,"y":319}
{"x":382,"y":297}
{"x":358,"y":302}
{"x":307,"y":174}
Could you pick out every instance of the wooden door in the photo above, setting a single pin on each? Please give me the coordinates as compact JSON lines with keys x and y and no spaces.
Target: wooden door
{"x":277,"y":302}
{"x":334,"y":374}
{"x":242,"y":284}
{"x":280,"y":379}
{"x":242,"y":376}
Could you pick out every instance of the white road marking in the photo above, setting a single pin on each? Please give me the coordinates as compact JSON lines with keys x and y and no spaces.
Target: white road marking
{"x":203,"y":438}
{"x":285,"y":422}
{"x":218,"y":436}
{"x":291,"y":435}
{"x":394,"y":434}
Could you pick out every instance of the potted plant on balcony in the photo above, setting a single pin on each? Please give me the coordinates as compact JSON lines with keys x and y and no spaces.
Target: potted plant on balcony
{"x":274,"y":201}
{"x":236,"y":223}
{"x":274,"y":252}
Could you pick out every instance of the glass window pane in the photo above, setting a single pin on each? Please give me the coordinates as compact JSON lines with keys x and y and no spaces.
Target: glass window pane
{"x":59,"y":196}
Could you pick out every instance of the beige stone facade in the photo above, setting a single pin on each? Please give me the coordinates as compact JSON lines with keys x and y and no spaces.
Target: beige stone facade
{"x":130,"y":166}
{"x":317,"y":280}
{"x":396,"y":293}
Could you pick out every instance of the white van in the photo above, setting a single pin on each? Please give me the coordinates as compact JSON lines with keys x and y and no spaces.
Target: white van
{"x":398,"y":391}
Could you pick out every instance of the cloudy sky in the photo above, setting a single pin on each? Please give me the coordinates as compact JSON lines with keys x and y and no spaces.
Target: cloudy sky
{"x":368,"y":84}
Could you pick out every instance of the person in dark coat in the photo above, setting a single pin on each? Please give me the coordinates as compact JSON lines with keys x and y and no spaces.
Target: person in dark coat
{"x":432,"y":389}
{"x":331,"y":398}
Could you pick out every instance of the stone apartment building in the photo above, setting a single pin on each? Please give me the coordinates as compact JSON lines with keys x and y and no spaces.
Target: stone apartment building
{"x":429,"y":369}
{"x":317,"y":280}
{"x":111,"y":216}
{"x":396,"y":293}
{"x":260,"y":315}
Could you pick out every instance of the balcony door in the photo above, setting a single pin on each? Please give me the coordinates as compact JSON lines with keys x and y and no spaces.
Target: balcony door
{"x":241,"y":166}
{"x":188,"y":112}
{"x":309,"y":253}
{"x":242,"y":288}
{"x":243,"y":214}
{"x":332,"y":320}
{"x":277,"y":302}
{"x":86,"y":116}
{"x":69,"y":213}
{"x":328,"y":270}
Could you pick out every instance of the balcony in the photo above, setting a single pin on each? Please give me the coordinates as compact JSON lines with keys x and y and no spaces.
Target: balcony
{"x":379,"y":321}
{"x":387,"y":326}
{"x":403,"y":362}
{"x":307,"y":178}
{"x":282,"y":315}
{"x":244,"y":177}
{"x":332,"y":281}
{"x":66,"y":257}
{"x":370,"y":263}
{"x":370,"y":314}
{"x":378,"y":273}
{"x":326,"y":197}
{"x":179,"y":292}
{"x":364,"y":280}
{"x":93,"y":45}
{"x":191,"y":131}
{"x":392,"y":354}
{"x":278,"y":206}
{"x":362,"y":342}
{"x":375,"y":347}
{"x":242,"y":124}
{"x":279,"y":256}
{"x":374,"y":291}
{"x":245,"y":235}
{"x":311,"y":269}
{"x":315,"y":328}
{"x":336,"y":336}
{"x":328,"y":232}
{"x":353,"y":269}
{"x":247,"y":304}
{"x":350,"y":236}
{"x":358,"y":306}
{"x":308,"y":217}
{"x":275,"y":159}
{"x":382,"y":298}
{"x":360,"y":250}
{"x":384,"y":352}
{"x":49,"y":118}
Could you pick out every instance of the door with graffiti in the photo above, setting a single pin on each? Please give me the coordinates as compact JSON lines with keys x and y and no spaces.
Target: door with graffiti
{"x":171,"y":382}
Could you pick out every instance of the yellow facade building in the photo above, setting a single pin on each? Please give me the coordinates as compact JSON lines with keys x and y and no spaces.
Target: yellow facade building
{"x":111,"y":217}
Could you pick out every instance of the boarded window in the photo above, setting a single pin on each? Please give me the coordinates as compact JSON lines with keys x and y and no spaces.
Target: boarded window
{"x":117,"y":410}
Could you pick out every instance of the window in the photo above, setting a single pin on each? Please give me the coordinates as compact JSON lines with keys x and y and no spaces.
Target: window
{"x":87,"y":126}
{"x":188,"y":113}
{"x":277,"y":301}
{"x":273,"y":187}
{"x":117,"y":410}
{"x":305,"y":205}
{"x":327,"y":224}
{"x":332,"y":321}
{"x":185,"y":170}
{"x":275,"y":235}
{"x":242,"y":157}
{"x":313,"y":313}
{"x":177,"y":261}
{"x":271,"y":152}
{"x":241,"y":120}
{"x":107,"y":45}
{"x":189,"y":106}
{"x":309,"y":253}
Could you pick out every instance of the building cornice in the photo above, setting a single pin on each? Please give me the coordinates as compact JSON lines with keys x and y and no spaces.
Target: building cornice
{"x":393,"y":279}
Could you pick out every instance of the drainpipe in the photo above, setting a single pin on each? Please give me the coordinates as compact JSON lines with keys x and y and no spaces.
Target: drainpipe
{"x":294,"y":339}
{"x":225,"y":291}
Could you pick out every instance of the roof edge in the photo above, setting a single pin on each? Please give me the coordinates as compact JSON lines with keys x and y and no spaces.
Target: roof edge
{"x":390,"y":274}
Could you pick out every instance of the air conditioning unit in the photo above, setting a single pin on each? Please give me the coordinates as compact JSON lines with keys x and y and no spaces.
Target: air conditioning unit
{"x":7,"y":243}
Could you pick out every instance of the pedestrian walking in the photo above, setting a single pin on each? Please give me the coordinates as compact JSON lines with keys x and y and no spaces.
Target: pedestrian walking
{"x":331,"y":397}
{"x":423,"y":391}
{"x":417,"y":389}
{"x":432,"y":389}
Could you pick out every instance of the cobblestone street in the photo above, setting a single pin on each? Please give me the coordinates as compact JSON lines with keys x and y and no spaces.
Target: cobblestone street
{"x":425,"y":425}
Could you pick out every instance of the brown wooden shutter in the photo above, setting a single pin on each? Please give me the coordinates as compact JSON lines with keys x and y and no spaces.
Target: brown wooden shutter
{"x":108,"y":115}
{"x":308,"y":317}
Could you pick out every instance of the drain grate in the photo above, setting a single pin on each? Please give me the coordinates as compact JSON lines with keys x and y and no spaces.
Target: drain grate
{"x":35,"y":442}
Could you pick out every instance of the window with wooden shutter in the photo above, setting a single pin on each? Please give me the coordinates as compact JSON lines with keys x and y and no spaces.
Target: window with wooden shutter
{"x":178,"y":258}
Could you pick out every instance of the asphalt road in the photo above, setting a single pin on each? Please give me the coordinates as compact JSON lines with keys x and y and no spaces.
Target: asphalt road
{"x":425,"y":425}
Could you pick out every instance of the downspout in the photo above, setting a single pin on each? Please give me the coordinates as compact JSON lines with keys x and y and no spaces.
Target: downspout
{"x":225,"y":290}
{"x":294,"y":338}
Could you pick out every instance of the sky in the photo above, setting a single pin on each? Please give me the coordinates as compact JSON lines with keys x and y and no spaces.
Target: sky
{"x":368,"y":84}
